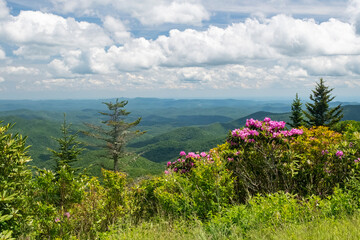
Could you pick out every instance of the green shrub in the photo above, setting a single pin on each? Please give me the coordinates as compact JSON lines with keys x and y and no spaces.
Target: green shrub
{"x":15,"y":179}
{"x":198,"y":190}
{"x":259,"y":158}
{"x":324,"y":159}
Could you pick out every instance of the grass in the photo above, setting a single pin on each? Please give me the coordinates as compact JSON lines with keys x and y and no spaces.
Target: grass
{"x":346,"y":227}
{"x":343,"y":228}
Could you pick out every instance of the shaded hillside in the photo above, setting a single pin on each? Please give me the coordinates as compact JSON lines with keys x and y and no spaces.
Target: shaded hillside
{"x":183,"y":120}
{"x":257,"y":115}
{"x":167,"y":146}
{"x":352,"y":112}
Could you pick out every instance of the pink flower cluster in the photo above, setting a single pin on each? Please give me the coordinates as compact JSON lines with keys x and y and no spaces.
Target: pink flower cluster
{"x":339,"y":154}
{"x":267,"y":128}
{"x":244,"y":133}
{"x":266,"y":125}
{"x":185,"y":162}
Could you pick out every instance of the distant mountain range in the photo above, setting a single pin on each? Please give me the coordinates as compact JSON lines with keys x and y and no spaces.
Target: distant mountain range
{"x":172,"y":126}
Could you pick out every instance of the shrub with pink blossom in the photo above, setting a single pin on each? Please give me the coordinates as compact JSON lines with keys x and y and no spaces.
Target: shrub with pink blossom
{"x":258,"y":157}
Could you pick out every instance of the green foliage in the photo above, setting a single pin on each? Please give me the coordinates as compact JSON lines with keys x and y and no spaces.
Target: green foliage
{"x":69,"y":148}
{"x":117,"y":133}
{"x":53,"y":198}
{"x":324,"y":160}
{"x":115,"y":196}
{"x":319,"y":113}
{"x":14,"y":184}
{"x":227,"y":193}
{"x":259,"y":158}
{"x":296,"y":117}
{"x":203,"y":191}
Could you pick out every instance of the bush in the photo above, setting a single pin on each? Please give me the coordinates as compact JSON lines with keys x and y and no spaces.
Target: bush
{"x":14,"y":184}
{"x":194,"y":185}
{"x":265,"y":158}
{"x":259,"y":157}
{"x":324,"y":160}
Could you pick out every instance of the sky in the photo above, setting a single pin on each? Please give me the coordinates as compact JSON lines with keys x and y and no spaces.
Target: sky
{"x":73,"y":49}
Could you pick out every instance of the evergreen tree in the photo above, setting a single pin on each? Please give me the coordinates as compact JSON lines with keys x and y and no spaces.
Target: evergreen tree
{"x":117,"y":132}
{"x":318,"y":112}
{"x":296,"y":113}
{"x":69,"y":148}
{"x":66,"y":182}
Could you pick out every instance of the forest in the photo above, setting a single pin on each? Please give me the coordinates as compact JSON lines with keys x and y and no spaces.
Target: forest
{"x":180,"y":169}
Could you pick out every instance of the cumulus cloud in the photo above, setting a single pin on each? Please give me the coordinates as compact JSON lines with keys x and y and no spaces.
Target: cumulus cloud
{"x":2,"y":79}
{"x":135,"y":55}
{"x":275,"y":38}
{"x":148,"y":12}
{"x":117,"y":29}
{"x":46,"y":34}
{"x":4,"y":11}
{"x":175,"y":12}
{"x":354,"y":13}
{"x":2,"y":54}
{"x":19,"y":70}
{"x":255,"y":53}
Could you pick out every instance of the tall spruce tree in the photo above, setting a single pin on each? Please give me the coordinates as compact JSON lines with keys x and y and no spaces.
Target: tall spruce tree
{"x":69,"y":148}
{"x":116,"y":132}
{"x":296,"y":113}
{"x":318,"y":112}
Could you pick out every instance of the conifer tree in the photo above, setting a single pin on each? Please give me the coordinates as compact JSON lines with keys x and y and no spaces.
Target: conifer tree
{"x":116,"y":132}
{"x":69,"y":148}
{"x":318,"y":112}
{"x":296,"y":113}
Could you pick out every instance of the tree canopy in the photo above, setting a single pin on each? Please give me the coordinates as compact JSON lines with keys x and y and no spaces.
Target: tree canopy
{"x":318,"y":111}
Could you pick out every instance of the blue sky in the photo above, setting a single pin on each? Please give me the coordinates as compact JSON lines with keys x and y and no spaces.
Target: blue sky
{"x":256,"y":49}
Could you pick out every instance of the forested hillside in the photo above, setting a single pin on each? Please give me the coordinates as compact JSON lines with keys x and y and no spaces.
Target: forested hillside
{"x":171,"y":125}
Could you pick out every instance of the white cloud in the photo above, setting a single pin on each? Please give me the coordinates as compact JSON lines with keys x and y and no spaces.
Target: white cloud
{"x":2,"y":54}
{"x":256,"y":53}
{"x":175,"y":12}
{"x":4,"y":11}
{"x":354,"y":12}
{"x":135,"y":55}
{"x":41,"y":35}
{"x":327,"y":66}
{"x":148,"y":12}
{"x":275,"y":38}
{"x":117,"y":29}
{"x":19,"y":70}
{"x":2,"y":79}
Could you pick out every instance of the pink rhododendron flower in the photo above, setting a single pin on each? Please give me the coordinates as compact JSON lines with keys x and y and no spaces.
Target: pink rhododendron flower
{"x":323,"y":152}
{"x":339,"y":154}
{"x":166,"y":172}
{"x":67,"y":214}
{"x":203,"y":154}
{"x":169,"y":164}
{"x":182,"y":153}
{"x":57,"y":220}
{"x":267,"y":119}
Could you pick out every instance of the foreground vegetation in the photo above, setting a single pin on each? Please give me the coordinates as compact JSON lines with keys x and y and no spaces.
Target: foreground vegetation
{"x":263,"y":182}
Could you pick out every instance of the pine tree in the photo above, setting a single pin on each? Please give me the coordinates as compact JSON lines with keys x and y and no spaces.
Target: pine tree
{"x":318,"y":112}
{"x":117,"y":132}
{"x":296,"y":113}
{"x":69,"y":148}
{"x":66,"y":182}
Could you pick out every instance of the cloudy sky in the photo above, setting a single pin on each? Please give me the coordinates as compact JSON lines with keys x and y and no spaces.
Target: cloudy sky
{"x":52,"y":49}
